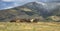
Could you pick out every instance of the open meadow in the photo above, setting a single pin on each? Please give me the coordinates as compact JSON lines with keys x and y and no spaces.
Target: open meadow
{"x":40,"y":26}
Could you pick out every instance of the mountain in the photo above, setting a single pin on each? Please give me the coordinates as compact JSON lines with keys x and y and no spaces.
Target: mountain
{"x":37,"y":7}
{"x":30,"y":10}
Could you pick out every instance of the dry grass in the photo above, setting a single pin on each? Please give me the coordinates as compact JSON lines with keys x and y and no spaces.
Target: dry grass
{"x":41,"y":26}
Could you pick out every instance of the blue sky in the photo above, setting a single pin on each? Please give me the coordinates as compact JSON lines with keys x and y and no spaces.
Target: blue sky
{"x":4,"y":4}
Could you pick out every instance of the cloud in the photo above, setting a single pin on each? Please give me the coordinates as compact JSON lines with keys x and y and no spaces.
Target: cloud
{"x":13,"y":3}
{"x":21,"y":2}
{"x":18,"y":0}
{"x":7,"y":0}
{"x":14,"y":0}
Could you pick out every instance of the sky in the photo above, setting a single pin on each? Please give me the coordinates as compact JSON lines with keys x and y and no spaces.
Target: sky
{"x":5,"y":4}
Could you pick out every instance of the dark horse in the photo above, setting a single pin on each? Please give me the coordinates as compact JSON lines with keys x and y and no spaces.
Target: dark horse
{"x":24,"y":20}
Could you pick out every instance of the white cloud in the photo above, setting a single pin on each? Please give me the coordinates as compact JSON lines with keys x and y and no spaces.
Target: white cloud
{"x":16,"y":3}
{"x":18,"y":0}
{"x":21,"y":0}
{"x":7,"y":0}
{"x":13,"y":0}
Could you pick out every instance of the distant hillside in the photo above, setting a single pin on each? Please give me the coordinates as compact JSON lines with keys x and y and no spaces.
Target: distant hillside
{"x":29,"y":10}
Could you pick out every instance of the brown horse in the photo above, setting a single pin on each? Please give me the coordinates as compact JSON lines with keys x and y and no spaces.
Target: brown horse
{"x":20,"y":20}
{"x":34,"y":20}
{"x":15,"y":21}
{"x":25,"y":20}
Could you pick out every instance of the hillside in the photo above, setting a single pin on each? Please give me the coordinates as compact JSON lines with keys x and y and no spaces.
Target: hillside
{"x":30,"y":10}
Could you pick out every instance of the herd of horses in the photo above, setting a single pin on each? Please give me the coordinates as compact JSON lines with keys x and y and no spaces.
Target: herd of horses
{"x":25,"y":20}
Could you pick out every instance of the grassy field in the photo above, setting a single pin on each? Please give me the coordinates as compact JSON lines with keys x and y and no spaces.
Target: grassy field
{"x":40,"y":26}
